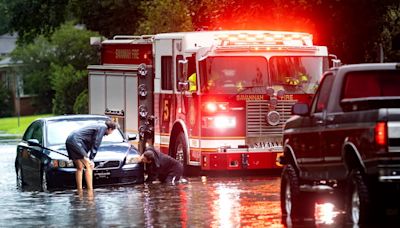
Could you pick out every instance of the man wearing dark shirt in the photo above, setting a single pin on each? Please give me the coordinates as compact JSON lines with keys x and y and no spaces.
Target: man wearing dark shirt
{"x":161,"y":166}
{"x":82,"y":141}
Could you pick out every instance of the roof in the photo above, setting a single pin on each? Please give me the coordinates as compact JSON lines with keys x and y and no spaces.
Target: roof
{"x":7,"y":43}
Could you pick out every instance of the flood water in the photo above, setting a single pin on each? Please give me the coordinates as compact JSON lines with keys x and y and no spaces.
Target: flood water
{"x":202,"y":202}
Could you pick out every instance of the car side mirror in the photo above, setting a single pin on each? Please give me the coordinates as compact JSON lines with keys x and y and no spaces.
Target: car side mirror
{"x":300,"y":109}
{"x":34,"y":142}
{"x":131,"y":137}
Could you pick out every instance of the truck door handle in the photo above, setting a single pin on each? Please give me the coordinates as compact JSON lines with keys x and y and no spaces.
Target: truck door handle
{"x":319,"y":122}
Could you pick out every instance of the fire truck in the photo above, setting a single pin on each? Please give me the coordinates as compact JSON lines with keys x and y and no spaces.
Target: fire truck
{"x":214,"y":100}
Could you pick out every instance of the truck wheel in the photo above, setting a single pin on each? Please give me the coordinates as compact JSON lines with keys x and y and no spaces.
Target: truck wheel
{"x":357,"y":199}
{"x":180,"y":152}
{"x":294,"y":205}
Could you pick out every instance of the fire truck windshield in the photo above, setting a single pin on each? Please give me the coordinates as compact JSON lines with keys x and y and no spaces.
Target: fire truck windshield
{"x":232,"y":74}
{"x":254,"y":75}
{"x":295,"y":74}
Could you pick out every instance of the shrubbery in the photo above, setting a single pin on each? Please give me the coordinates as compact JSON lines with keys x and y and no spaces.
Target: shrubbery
{"x":6,"y":101}
{"x":54,"y":68}
{"x":81,"y":105}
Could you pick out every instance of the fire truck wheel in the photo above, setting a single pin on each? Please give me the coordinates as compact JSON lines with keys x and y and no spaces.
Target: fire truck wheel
{"x":180,"y":151}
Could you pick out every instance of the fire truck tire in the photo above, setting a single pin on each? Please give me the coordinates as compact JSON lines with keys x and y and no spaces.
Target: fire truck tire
{"x":180,"y":153}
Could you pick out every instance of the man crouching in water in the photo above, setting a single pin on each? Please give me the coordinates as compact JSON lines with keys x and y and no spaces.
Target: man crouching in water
{"x":161,"y":166}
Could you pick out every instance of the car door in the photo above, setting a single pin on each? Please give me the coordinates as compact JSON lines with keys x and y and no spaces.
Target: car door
{"x":31,"y":155}
{"x":311,"y":159}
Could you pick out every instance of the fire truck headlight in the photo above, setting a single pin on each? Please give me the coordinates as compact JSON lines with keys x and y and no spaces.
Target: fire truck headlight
{"x":212,"y":107}
{"x":224,"y":122}
{"x":143,"y":112}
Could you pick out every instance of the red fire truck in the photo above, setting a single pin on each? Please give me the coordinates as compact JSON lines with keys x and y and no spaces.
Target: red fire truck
{"x":216,"y":100}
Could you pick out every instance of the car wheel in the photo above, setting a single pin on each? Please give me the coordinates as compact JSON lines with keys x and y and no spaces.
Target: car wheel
{"x":357,"y":199}
{"x":20,"y":178}
{"x":44,"y":183}
{"x":294,"y":205}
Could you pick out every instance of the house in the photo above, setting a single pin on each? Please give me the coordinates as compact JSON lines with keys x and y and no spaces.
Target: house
{"x":10,"y":77}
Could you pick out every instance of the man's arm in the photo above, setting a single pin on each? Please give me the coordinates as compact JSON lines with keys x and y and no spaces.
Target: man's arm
{"x":101,"y":131}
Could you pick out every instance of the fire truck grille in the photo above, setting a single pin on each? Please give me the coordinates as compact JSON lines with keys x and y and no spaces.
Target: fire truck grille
{"x":257,"y":125}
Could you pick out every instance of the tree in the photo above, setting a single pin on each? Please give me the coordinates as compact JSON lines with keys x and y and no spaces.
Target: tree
{"x":108,"y":17}
{"x":66,"y":53}
{"x":164,"y":16}
{"x":4,"y":17}
{"x":32,"y":18}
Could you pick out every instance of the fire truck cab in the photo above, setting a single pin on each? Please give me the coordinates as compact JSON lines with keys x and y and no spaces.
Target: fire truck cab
{"x":216,"y":100}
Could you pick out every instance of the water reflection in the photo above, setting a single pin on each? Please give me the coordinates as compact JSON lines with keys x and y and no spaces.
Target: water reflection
{"x":203,"y":202}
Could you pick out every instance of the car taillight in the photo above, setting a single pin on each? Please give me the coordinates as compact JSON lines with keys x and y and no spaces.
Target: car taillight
{"x":381,"y":133}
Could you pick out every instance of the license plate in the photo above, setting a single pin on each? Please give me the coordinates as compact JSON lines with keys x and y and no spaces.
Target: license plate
{"x":102,"y":174}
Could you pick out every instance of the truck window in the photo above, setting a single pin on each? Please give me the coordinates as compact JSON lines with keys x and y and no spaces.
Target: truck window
{"x":321,"y":99}
{"x":371,"y":84}
{"x":166,"y":73}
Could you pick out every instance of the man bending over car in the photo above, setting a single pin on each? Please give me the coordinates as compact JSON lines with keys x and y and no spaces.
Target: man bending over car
{"x":80,"y":142}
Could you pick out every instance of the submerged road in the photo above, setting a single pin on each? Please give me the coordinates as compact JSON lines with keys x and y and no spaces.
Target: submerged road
{"x":202,"y":202}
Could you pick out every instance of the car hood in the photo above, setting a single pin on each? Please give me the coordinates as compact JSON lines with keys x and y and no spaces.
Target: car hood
{"x":107,"y":151}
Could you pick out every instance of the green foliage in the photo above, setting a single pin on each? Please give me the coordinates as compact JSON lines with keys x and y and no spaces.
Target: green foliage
{"x":68,"y":83}
{"x":4,"y":17}
{"x":32,"y":18}
{"x":36,"y":58}
{"x":108,"y":17}
{"x":164,"y":16}
{"x":81,"y":105}
{"x":46,"y":61}
{"x":6,"y":102}
{"x":391,"y":32}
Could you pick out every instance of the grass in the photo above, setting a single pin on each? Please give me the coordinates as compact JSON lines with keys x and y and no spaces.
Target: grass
{"x":9,"y":125}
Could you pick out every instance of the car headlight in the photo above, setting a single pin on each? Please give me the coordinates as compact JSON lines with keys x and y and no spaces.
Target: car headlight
{"x":132,"y":159}
{"x":63,"y":163}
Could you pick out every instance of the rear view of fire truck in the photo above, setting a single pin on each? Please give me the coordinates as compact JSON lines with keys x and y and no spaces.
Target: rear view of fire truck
{"x":215,"y":100}
{"x":122,"y":85}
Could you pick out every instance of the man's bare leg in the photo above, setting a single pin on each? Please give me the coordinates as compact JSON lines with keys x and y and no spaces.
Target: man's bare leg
{"x":78,"y":174}
{"x":88,"y":173}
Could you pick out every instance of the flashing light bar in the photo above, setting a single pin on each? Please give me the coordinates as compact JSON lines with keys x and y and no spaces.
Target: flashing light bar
{"x":266,"y":38}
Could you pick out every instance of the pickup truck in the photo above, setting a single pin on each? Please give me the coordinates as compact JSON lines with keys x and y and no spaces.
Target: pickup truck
{"x":345,"y":143}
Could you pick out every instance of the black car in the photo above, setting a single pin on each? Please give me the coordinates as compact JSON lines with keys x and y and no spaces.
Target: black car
{"x":42,"y":160}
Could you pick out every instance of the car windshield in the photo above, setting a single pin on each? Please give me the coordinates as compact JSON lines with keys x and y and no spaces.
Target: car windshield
{"x":232,"y":74}
{"x":296,"y":74}
{"x":58,"y":131}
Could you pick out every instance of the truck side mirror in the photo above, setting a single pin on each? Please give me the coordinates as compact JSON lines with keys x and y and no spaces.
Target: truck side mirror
{"x":182,"y":70}
{"x":300,"y":109}
{"x":335,"y":61}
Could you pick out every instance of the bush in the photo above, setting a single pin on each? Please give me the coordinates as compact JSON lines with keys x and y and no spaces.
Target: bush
{"x":6,"y":101}
{"x":67,"y":83}
{"x":81,"y":105}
